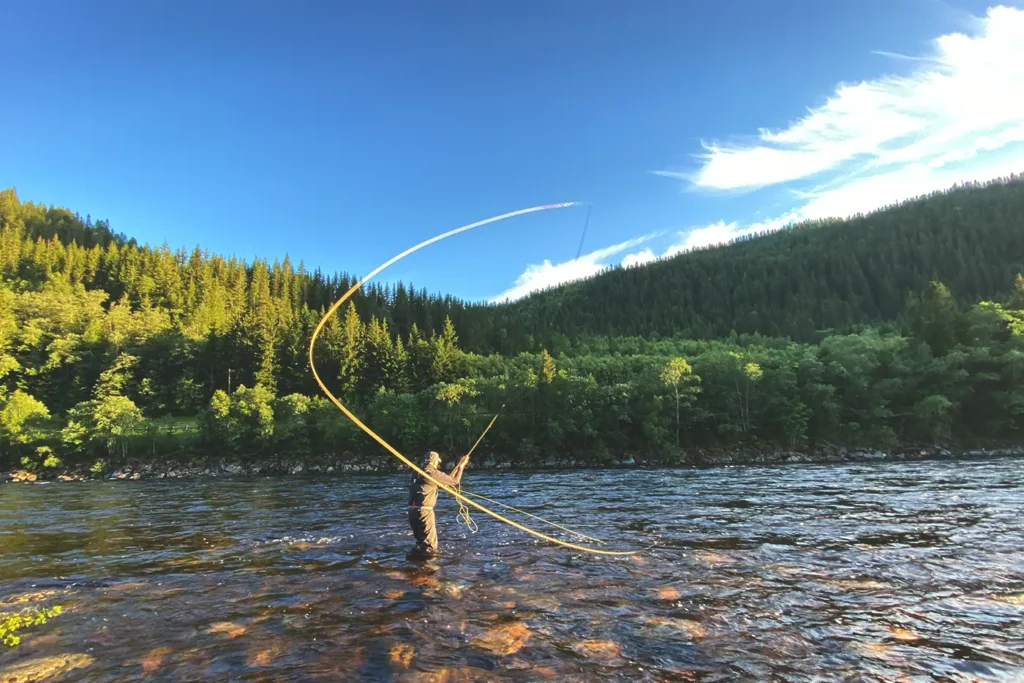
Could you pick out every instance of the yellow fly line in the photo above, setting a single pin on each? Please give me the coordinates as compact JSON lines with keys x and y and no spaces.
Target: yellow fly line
{"x":464,"y":517}
{"x":391,"y":449}
{"x":530,"y":514}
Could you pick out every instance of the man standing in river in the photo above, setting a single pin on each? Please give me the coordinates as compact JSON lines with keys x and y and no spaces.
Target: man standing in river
{"x":423,"y":496}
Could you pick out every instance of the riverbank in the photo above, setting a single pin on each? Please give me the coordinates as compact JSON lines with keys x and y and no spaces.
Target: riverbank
{"x":140,"y":468}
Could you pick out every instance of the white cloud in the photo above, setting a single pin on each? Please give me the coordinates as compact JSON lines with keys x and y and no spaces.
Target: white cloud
{"x":544,"y":275}
{"x":638,"y":258}
{"x":866,"y":194}
{"x":970,"y":90}
{"x":857,"y":196}
{"x":711,"y":235}
{"x":958,"y":116}
{"x":716,"y":233}
{"x":693,"y":239}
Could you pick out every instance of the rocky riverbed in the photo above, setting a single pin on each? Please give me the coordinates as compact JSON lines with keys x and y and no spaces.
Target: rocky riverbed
{"x":141,"y":468}
{"x":874,"y":571}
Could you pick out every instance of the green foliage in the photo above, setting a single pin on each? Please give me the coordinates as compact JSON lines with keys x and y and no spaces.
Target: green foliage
{"x":548,"y":371}
{"x":934,"y":318}
{"x":113,"y":380}
{"x":20,"y":417}
{"x":856,"y":332}
{"x":803,"y":282}
{"x":48,"y":458}
{"x":244,"y":421}
{"x":115,"y":418}
{"x":678,"y":374}
{"x":1014,"y":319}
{"x":290,"y":427}
{"x":455,"y":413}
{"x":350,"y":353}
{"x":44,"y":457}
{"x":109,"y":421}
{"x":452,"y":394}
{"x":444,"y":365}
{"x":11,"y":624}
{"x":676,"y":371}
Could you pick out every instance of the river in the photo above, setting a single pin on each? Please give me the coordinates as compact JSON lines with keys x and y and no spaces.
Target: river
{"x":890,"y":571}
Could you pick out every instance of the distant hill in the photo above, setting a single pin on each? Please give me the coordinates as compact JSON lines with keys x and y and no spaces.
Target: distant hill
{"x":801,"y":282}
{"x":105,"y":344}
{"x":798,"y":282}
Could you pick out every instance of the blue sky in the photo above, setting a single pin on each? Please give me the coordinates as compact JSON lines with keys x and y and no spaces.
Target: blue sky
{"x":342,"y":133}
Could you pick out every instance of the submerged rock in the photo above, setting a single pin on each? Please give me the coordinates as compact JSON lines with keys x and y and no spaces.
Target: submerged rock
{"x":152,"y":660}
{"x":31,"y":598}
{"x":506,"y":639}
{"x":668,"y":593}
{"x":261,"y":656}
{"x":903,"y":634}
{"x":227,"y":628}
{"x":712,"y":558}
{"x":686,"y":627}
{"x":454,"y":589}
{"x":464,"y":675}
{"x":44,"y":668}
{"x":605,"y":651}
{"x":402,"y":654}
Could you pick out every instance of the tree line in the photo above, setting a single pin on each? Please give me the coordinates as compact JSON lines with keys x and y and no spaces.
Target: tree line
{"x":805,"y":282}
{"x":108,"y":349}
{"x":808,"y":281}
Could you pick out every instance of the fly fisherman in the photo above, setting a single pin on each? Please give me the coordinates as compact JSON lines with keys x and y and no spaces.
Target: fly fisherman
{"x":423,"y":496}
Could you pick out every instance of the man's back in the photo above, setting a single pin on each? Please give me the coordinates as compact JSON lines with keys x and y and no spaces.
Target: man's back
{"x":423,"y":492}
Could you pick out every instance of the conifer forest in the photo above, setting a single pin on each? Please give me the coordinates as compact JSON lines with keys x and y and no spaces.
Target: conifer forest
{"x":900,"y":328}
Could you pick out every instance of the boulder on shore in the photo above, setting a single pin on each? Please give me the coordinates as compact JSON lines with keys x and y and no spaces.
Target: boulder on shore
{"x":23,"y":475}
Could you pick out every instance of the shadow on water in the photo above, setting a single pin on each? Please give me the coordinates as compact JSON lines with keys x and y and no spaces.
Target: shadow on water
{"x":881,"y":572}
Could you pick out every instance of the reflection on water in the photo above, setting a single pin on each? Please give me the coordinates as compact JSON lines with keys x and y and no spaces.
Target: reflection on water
{"x":884,"y":572}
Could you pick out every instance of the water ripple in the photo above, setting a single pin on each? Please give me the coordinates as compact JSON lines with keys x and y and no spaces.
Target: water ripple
{"x":869,"y":572}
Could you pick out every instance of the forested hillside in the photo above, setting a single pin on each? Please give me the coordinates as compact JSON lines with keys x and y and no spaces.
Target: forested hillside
{"x":261,"y":314}
{"x":799,"y":283}
{"x":110,"y":349}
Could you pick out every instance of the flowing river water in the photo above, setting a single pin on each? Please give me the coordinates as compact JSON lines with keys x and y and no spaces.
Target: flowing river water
{"x":881,"y":572}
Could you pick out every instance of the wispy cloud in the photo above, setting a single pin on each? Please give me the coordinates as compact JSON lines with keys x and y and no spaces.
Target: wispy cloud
{"x":897,"y":55}
{"x":709,"y":235}
{"x":638,"y":258}
{"x":971,"y":87}
{"x":959,"y":115}
{"x":544,"y":275}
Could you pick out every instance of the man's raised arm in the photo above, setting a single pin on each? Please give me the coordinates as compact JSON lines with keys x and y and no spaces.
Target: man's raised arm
{"x":460,"y":468}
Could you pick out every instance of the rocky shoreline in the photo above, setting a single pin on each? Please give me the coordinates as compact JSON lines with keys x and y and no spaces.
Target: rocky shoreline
{"x":288,"y":466}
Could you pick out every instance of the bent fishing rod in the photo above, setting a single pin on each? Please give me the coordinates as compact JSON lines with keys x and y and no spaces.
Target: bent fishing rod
{"x":391,"y":449}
